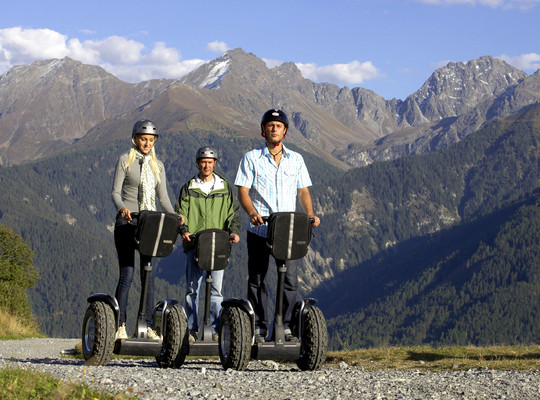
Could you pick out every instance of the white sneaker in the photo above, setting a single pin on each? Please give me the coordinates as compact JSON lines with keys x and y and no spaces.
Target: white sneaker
{"x":151,"y":334}
{"x":122,"y":334}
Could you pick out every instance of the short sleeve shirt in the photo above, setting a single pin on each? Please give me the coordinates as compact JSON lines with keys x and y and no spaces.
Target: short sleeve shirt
{"x":273,"y":188}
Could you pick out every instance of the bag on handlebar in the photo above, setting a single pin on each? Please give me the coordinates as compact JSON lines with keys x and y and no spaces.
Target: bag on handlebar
{"x":156,"y":233}
{"x":212,"y":249}
{"x":289,"y":235}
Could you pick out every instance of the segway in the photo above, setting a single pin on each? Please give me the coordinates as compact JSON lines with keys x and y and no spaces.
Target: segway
{"x":212,"y":251}
{"x":155,"y":236}
{"x":288,"y":237}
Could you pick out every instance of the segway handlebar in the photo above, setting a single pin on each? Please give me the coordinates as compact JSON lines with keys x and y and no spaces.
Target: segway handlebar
{"x":135,"y":217}
{"x":194,"y":237}
{"x":265,"y":219}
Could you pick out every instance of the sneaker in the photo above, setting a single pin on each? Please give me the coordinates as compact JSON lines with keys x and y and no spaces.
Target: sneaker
{"x":151,"y":334}
{"x":122,"y":334}
{"x":192,"y":336}
{"x":259,"y":339}
{"x":215,"y":336}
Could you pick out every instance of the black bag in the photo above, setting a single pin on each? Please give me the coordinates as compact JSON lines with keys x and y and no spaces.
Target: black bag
{"x":212,"y":249}
{"x":289,"y":234}
{"x":156,"y":233}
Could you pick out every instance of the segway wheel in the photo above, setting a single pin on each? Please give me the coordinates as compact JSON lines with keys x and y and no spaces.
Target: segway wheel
{"x":174,"y":348}
{"x":314,"y":341}
{"x":234,"y":338}
{"x":98,"y":333}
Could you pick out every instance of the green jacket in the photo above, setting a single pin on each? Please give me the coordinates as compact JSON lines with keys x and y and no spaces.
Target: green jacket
{"x":219,"y":209}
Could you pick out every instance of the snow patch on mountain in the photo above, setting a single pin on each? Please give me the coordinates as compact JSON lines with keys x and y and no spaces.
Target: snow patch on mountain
{"x":215,"y":74}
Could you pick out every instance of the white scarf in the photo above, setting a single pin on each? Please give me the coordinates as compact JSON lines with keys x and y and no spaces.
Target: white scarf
{"x":147,"y":184}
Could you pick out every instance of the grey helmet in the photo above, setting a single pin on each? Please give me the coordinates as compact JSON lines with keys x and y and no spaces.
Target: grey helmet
{"x":206,"y":152}
{"x":144,"y":127}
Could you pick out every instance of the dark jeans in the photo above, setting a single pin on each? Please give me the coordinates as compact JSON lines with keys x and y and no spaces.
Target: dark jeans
{"x":124,"y":241}
{"x":258,"y":259}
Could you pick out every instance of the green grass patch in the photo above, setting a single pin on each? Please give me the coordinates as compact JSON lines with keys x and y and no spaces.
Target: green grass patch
{"x":23,"y":384}
{"x":442,"y":358}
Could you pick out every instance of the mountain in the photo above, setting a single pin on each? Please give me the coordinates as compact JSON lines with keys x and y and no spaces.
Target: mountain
{"x":379,"y":223}
{"x":53,"y":105}
{"x":376,"y":219}
{"x":440,"y":248}
{"x":46,"y":106}
{"x":473,"y":284}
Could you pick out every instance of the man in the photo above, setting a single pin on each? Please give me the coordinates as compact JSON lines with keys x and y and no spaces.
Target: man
{"x":270,"y":179}
{"x":206,"y":202}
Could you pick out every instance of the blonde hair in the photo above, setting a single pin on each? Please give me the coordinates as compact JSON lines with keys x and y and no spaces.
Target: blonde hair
{"x":153,"y":159}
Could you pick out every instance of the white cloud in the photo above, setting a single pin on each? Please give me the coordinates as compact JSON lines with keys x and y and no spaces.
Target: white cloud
{"x":354,"y":72}
{"x":217,"y":47}
{"x":125,"y":58}
{"x":505,"y":4}
{"x":116,"y":49}
{"x":21,"y":46}
{"x":526,"y":62}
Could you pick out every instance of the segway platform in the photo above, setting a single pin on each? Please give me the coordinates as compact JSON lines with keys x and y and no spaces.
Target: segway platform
{"x":288,"y":238}
{"x":155,"y":236}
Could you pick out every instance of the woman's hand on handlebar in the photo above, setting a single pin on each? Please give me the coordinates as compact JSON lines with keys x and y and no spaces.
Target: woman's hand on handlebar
{"x":125,"y":214}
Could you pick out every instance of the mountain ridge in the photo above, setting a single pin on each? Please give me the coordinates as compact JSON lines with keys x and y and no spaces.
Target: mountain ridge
{"x":51,"y":105}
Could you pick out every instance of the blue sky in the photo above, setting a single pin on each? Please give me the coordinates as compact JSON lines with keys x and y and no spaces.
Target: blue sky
{"x":388,"y":46}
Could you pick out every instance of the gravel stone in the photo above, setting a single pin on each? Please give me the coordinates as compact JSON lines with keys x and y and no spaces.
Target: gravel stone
{"x":206,"y":379}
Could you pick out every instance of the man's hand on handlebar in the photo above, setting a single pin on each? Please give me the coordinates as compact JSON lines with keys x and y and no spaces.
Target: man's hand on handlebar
{"x":256,"y":219}
{"x":315,"y":221}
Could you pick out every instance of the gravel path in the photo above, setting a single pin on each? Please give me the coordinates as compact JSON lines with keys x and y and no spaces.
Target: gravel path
{"x":202,"y":379}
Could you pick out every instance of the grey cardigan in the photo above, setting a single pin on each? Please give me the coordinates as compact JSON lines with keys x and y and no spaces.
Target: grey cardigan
{"x":125,"y":188}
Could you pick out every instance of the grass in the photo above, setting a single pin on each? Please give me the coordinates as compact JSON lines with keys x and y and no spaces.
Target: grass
{"x":22,"y":384}
{"x":14,"y":327}
{"x":442,"y":358}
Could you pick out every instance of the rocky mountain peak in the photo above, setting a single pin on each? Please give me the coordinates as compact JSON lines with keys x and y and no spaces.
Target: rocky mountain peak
{"x":459,"y":87}
{"x":47,"y":106}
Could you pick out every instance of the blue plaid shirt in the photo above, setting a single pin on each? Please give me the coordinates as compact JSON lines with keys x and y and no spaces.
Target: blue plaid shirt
{"x":273,"y":188}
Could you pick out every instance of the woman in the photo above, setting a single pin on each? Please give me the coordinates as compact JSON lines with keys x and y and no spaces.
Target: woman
{"x":138,"y":178}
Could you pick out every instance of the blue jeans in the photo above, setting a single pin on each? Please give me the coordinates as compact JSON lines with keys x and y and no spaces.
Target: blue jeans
{"x":194,"y":278}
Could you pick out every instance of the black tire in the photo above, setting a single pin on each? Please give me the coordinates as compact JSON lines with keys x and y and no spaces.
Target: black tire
{"x":314,"y":340}
{"x":175,"y":332}
{"x":98,"y":333}
{"x":235,"y":338}
{"x":183,"y":351}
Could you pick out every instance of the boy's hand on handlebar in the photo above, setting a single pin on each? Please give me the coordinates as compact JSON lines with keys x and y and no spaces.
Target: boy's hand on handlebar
{"x":234,"y":238}
{"x":315,"y":221}
{"x":186,"y":237}
{"x":256,"y":219}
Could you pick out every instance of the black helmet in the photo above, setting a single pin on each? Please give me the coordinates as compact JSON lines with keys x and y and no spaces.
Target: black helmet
{"x":275,"y":115}
{"x":206,"y":152}
{"x":144,"y":127}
